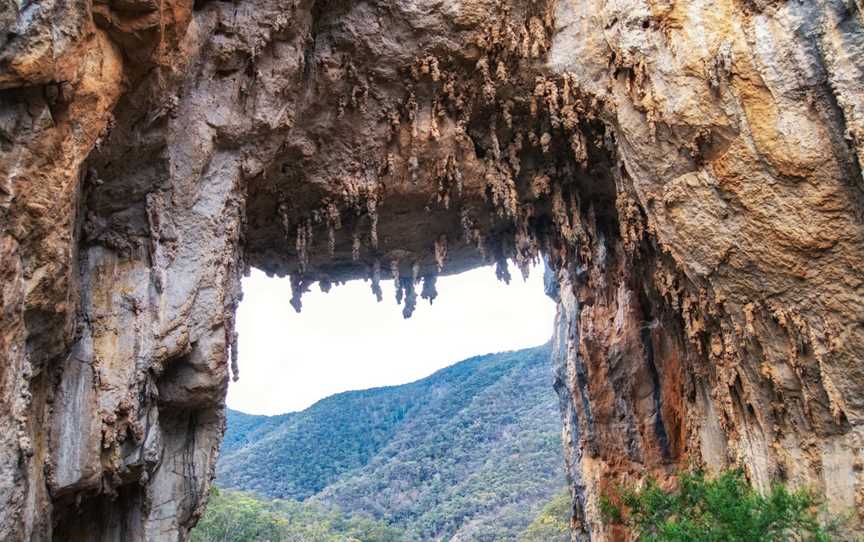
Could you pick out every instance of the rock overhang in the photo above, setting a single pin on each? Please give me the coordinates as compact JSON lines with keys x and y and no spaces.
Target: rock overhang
{"x":698,"y":199}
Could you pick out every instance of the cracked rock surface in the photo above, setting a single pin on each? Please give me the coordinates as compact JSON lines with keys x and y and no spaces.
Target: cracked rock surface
{"x":690,"y":171}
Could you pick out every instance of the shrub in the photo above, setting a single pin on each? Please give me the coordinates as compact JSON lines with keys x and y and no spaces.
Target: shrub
{"x":722,"y":509}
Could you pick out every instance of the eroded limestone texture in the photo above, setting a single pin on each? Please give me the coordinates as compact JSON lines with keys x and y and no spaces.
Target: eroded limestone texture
{"x":689,"y":169}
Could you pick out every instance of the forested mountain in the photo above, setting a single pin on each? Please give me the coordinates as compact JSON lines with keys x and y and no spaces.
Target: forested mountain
{"x":470,"y":453}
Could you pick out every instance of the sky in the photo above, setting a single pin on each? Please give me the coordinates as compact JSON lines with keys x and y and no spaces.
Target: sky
{"x":345,"y":340}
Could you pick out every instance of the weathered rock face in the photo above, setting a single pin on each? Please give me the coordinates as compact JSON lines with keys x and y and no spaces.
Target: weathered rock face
{"x":719,"y":322}
{"x":689,"y":169}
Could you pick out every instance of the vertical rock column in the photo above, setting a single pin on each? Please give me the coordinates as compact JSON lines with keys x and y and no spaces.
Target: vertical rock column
{"x":60,"y":79}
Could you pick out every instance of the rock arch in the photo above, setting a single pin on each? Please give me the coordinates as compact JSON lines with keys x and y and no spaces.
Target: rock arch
{"x":690,"y":170}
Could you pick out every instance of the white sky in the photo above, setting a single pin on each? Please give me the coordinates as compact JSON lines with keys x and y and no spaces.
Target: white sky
{"x":345,"y":340}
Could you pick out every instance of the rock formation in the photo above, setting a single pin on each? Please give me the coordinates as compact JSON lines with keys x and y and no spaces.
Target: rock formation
{"x":689,"y":169}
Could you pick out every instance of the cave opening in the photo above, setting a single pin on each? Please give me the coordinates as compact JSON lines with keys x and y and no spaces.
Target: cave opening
{"x":350,"y":405}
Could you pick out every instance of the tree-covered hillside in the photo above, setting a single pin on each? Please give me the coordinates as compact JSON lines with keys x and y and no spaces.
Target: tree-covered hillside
{"x":234,"y":516}
{"x":470,"y":453}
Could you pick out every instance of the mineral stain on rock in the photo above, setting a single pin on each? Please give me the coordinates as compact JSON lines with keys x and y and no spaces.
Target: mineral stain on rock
{"x":690,"y":171}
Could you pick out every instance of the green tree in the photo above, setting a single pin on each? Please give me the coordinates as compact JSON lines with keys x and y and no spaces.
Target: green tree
{"x":552,"y":524}
{"x":722,"y":509}
{"x":233,"y":516}
{"x":238,"y":517}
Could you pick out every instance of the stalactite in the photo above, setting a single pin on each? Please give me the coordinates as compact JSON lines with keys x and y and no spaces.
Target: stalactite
{"x":334,"y":223}
{"x":394,"y":268}
{"x":415,"y":271}
{"x":524,"y":43}
{"x":513,"y":150}
{"x":501,"y":270}
{"x":499,"y":188}
{"x":376,"y":280}
{"x":545,"y":142}
{"x":331,"y":241}
{"x":507,"y":113}
{"x":565,"y":92}
{"x":537,"y":32}
{"x":233,"y":350}
{"x":488,"y":85}
{"x":580,"y":149}
{"x":353,"y":191}
{"x":397,"y":284}
{"x":449,"y":177}
{"x":355,"y":246}
{"x":576,"y":217}
{"x":407,"y":285}
{"x":456,"y":175}
{"x":389,"y":164}
{"x":440,"y":251}
{"x":550,"y":97}
{"x":283,"y":217}
{"x":395,"y":123}
{"x":300,"y":245}
{"x":540,"y":185}
{"x":501,"y":71}
{"x":429,"y":291}
{"x":526,"y":249}
{"x":429,"y":65}
{"x":434,"y":133}
{"x":443,"y":192}
{"x":298,"y":288}
{"x":467,"y":224}
{"x":372,"y":208}
{"x":511,"y":40}
{"x":493,"y":139}
{"x":413,"y":167}
{"x":500,"y":181}
{"x":560,"y":216}
{"x":411,"y":112}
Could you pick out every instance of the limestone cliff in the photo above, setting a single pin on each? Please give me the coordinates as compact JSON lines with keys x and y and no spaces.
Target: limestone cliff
{"x":689,"y":169}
